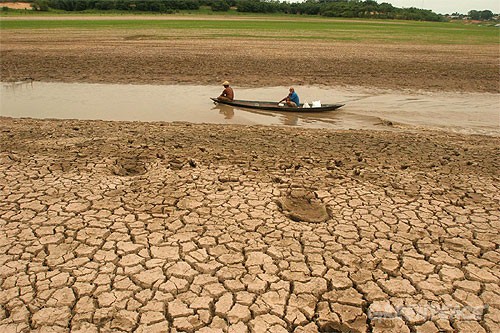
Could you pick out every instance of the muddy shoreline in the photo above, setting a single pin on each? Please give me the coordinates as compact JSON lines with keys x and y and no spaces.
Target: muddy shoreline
{"x":144,"y":57}
{"x":425,"y":150}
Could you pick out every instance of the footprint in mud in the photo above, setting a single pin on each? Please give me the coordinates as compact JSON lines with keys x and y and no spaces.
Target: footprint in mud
{"x":301,"y":206}
{"x":128,"y":167}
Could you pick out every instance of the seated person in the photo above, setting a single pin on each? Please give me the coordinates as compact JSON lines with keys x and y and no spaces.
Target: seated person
{"x":292,"y":99}
{"x":227,"y":93}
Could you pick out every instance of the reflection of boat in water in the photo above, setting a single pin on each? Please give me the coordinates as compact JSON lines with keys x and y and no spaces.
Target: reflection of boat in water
{"x":273,"y":106}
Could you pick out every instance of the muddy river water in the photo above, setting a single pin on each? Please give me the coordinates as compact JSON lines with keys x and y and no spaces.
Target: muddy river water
{"x":471,"y":113}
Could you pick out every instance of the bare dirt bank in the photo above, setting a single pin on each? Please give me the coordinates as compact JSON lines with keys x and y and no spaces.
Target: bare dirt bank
{"x":143,"y":57}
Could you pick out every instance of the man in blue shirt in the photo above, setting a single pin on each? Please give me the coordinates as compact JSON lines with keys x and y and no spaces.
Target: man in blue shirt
{"x":292,"y":99}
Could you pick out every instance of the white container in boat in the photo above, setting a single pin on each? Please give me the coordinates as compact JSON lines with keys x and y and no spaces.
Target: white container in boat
{"x":306,"y":105}
{"x":316,"y":104}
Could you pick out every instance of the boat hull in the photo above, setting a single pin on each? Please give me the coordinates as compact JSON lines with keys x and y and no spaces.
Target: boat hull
{"x":273,"y":106}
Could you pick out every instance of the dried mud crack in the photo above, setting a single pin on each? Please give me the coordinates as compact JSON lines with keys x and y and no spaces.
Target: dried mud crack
{"x":207,"y":228}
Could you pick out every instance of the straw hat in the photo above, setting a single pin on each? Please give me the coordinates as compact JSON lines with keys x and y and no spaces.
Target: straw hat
{"x":225,"y":83}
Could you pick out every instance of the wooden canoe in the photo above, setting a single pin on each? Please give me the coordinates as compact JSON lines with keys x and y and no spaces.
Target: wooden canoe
{"x":273,"y":106}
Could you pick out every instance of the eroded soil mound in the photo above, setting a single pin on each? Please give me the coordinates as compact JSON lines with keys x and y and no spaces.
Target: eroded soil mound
{"x":303,"y":206}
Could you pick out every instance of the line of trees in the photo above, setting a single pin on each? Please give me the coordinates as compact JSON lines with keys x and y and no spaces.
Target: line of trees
{"x":330,"y":8}
{"x":163,"y":6}
{"x":482,"y":15}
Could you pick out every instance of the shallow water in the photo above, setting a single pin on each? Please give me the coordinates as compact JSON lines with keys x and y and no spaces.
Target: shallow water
{"x":471,"y":113}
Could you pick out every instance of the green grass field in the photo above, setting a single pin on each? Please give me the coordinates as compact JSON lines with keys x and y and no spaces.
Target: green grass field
{"x":277,"y":27}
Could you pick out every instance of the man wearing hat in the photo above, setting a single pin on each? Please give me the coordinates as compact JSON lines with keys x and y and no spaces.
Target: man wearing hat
{"x":227,"y":93}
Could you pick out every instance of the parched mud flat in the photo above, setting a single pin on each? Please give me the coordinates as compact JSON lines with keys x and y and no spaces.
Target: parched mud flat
{"x":176,"y":227}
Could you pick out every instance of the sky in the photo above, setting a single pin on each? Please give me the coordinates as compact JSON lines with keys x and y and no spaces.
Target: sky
{"x":448,"y":6}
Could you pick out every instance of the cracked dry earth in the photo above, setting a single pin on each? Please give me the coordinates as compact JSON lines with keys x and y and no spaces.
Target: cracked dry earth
{"x":135,"y":227}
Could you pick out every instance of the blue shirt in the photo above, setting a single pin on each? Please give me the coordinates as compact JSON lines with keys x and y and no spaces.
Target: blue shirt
{"x":294,"y":98}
